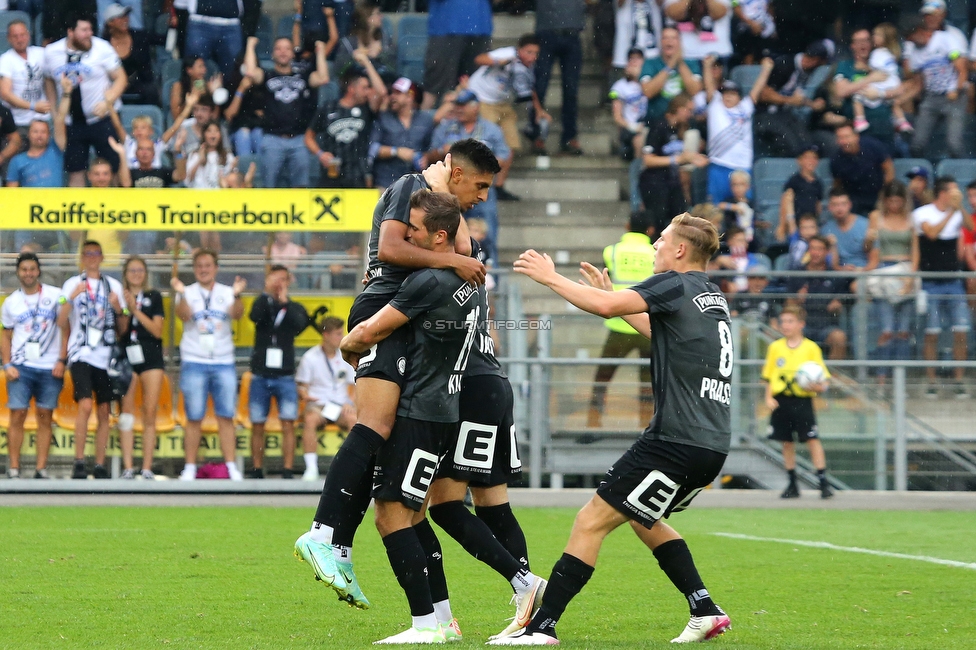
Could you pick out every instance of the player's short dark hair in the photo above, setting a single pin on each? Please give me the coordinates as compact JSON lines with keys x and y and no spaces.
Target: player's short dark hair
{"x":527,"y":39}
{"x":942,"y":184}
{"x":441,"y":211}
{"x":75,"y":17}
{"x":206,"y":100}
{"x":796,"y":310}
{"x":476,"y":154}
{"x":27,"y":257}
{"x":200,"y":252}
{"x":679,"y":100}
{"x":698,"y":232}
{"x":808,"y":216}
{"x":91,"y":242}
{"x":838,"y":190}
{"x":274,"y":268}
{"x":331,"y":324}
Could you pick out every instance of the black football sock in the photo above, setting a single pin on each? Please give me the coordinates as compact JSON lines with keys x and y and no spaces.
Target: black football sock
{"x":475,"y":537}
{"x":435,"y":560}
{"x":568,"y":578}
{"x":676,"y":561}
{"x":351,"y":462}
{"x":506,"y":529}
{"x":791,"y":473}
{"x":409,"y":564}
{"x":355,"y":508}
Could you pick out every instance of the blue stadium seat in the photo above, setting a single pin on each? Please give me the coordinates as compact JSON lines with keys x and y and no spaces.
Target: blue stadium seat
{"x":411,"y":51}
{"x":37,"y":30}
{"x":265,"y":34}
{"x":129,"y":111}
{"x":161,"y":27}
{"x":745,"y":76}
{"x":782,"y":263}
{"x":903,"y":165}
{"x":768,"y":177}
{"x":816,"y":79}
{"x":283,"y":28}
{"x":7,"y":17}
{"x":411,"y":25}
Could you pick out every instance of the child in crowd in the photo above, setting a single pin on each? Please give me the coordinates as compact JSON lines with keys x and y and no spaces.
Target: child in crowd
{"x":884,"y":58}
{"x":738,"y":258}
{"x":737,"y":211}
{"x":144,"y":129}
{"x":807,"y":227}
{"x":802,"y":194}
{"x":792,"y":406}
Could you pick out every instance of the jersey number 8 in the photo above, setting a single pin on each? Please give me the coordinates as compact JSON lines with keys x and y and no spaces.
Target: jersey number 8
{"x":725,"y":356}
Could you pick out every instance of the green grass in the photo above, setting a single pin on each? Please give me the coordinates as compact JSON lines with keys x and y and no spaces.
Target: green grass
{"x":225,"y":578}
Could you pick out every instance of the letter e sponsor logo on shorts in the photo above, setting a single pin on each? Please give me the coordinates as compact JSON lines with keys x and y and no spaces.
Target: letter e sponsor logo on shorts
{"x":653,"y":495}
{"x":475,"y":446}
{"x":420,"y":473}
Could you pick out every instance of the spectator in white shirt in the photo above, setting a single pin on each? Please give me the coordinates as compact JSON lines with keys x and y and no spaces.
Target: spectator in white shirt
{"x":207,"y":308}
{"x":211,"y":162}
{"x":324,"y":382}
{"x":638,"y":26}
{"x":98,"y":81}
{"x":22,"y":78}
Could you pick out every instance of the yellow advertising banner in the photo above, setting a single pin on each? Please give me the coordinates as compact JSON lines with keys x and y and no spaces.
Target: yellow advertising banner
{"x":300,"y":210}
{"x":170,"y":445}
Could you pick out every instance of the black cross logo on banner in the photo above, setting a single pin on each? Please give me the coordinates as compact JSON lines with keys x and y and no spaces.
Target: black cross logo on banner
{"x":327,"y":207}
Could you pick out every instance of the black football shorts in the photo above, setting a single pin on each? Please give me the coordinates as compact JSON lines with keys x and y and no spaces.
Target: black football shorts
{"x":407,"y":463}
{"x":794,"y":415}
{"x":387,"y":359}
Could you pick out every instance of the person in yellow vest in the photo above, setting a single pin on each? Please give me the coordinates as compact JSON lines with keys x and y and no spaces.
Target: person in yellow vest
{"x":629,"y":261}
{"x":791,"y":406}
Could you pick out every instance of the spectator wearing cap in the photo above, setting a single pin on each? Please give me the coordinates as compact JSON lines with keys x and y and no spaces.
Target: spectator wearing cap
{"x":729,"y":128}
{"x":802,"y":194}
{"x":558,"y":25}
{"x":665,"y":77}
{"x":919,"y":193}
{"x":705,"y":25}
{"x":288,"y":107}
{"x":457,"y":32}
{"x":506,"y":77}
{"x":339,"y":133}
{"x":933,"y":14}
{"x":852,"y":76}
{"x":106,"y":13}
{"x":467,"y":123}
{"x":861,"y":166}
{"x":401,"y":136}
{"x":135,"y":48}
{"x":779,"y":127}
{"x":944,"y":71}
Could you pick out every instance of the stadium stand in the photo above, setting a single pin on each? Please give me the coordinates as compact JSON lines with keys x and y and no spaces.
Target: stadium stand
{"x":7,"y":17}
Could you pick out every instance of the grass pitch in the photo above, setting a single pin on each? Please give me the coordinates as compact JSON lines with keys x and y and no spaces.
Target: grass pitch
{"x":225,"y":578}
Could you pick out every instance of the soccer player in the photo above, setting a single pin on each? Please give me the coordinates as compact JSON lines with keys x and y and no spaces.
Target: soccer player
{"x":485,"y":457}
{"x":792,"y":406}
{"x":380,"y":375}
{"x":684,"y":446}
{"x":29,"y":344}
{"x":93,"y":310}
{"x":439,"y":312}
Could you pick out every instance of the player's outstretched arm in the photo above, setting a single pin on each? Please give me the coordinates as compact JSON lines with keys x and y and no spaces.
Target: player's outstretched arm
{"x":605,"y":304}
{"x":593,"y":277}
{"x":372,"y":331}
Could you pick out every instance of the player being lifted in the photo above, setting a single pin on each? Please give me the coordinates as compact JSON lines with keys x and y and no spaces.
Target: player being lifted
{"x":380,"y":375}
{"x":439,"y":313}
{"x":683,"y":448}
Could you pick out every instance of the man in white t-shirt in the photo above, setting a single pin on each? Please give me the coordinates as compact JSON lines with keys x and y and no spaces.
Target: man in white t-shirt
{"x":638,"y":26}
{"x":98,"y":81}
{"x":324,"y":382}
{"x":93,"y":312}
{"x":22,"y":79}
{"x":29,"y":345}
{"x":943,"y":67}
{"x":207,"y":308}
{"x":729,"y":127}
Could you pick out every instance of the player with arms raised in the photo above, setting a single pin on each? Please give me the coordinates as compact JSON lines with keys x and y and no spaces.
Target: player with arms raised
{"x":684,"y":446}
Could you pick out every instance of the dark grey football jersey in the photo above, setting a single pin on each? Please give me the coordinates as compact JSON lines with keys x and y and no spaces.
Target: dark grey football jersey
{"x":482,"y":360}
{"x":691,"y":360}
{"x":444,"y":312}
{"x":393,"y":204}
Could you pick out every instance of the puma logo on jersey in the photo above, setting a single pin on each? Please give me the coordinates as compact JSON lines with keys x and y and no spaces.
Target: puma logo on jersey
{"x":463,"y":294}
{"x":720,"y":391}
{"x":712,"y":301}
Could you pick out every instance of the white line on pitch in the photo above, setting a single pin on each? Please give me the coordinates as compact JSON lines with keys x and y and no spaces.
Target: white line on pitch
{"x":852,"y":549}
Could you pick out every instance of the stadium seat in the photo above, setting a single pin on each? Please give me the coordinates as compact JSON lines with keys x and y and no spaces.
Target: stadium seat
{"x":782,"y":262}
{"x":411,"y":51}
{"x":67,"y":409}
{"x":7,"y":17}
{"x":903,"y":165}
{"x":410,"y":26}
{"x":130,"y":111}
{"x":161,"y":27}
{"x":265,"y":34}
{"x":283,"y":28}
{"x":37,"y":30}
{"x":164,"y":412}
{"x":768,"y":177}
{"x":745,"y":76}
{"x":209,"y":422}
{"x":30,"y":424}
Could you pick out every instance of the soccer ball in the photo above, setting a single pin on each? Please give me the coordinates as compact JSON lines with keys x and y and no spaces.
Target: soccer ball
{"x":808,"y":374}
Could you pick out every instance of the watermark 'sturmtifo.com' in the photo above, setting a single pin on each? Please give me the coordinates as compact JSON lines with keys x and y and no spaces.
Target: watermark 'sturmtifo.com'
{"x":527,"y":324}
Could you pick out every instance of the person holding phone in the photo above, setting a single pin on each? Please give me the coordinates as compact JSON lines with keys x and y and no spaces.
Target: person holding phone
{"x":324,"y":382}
